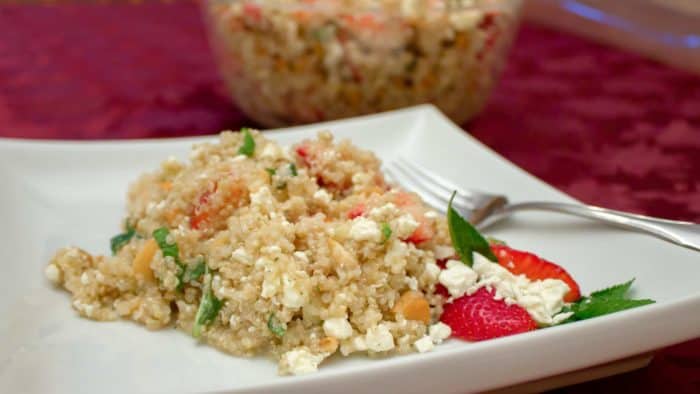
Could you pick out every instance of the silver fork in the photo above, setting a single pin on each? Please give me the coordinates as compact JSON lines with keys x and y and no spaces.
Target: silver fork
{"x":484,"y":209}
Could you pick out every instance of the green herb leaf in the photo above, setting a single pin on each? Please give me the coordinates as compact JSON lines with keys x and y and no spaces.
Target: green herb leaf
{"x":603,"y":302}
{"x":411,"y":65}
{"x":194,"y":273}
{"x":271,"y":171}
{"x":118,"y":241}
{"x":324,"y":33}
{"x":168,"y":249}
{"x":293,"y":169}
{"x":209,"y":308}
{"x":276,"y":326}
{"x":613,"y":292}
{"x":465,"y":238}
{"x":595,"y":307}
{"x":171,"y":250}
{"x":386,"y":232}
{"x":248,"y":147}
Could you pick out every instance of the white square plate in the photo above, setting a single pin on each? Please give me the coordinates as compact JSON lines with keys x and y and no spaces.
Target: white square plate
{"x":54,"y":194}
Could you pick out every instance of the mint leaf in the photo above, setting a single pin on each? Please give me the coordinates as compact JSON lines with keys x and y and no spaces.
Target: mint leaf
{"x":386,"y":232}
{"x":603,"y":302}
{"x":248,"y":147}
{"x":209,"y":308}
{"x":465,"y":238}
{"x":276,"y":326}
{"x":194,"y":273}
{"x":595,"y":307}
{"x":118,"y":241}
{"x":614,"y":292}
{"x":170,"y":250}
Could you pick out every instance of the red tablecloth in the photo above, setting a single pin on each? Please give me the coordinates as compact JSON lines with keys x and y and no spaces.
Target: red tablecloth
{"x":605,"y":126}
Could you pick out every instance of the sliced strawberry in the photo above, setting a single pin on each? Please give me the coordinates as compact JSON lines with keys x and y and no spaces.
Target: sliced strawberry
{"x":479,"y":316}
{"x":442,"y":290}
{"x":534,"y":268}
{"x":357,"y":211}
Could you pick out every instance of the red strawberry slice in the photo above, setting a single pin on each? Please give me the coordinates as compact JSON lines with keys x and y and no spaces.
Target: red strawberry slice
{"x":479,"y":316}
{"x":534,"y":268}
{"x":442,"y":290}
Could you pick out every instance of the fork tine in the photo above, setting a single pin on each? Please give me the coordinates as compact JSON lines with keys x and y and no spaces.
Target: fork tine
{"x":421,"y":185}
{"x":401,"y":176}
{"x":476,"y":206}
{"x":431,"y":181}
{"x":429,"y":178}
{"x":411,"y":184}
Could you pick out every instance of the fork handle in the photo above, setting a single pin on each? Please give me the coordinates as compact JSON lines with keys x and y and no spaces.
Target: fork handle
{"x":685,"y":234}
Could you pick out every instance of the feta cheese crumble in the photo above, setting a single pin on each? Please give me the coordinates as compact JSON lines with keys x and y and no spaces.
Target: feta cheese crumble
{"x":364,"y":229}
{"x":337,"y":327}
{"x":379,"y":338}
{"x":439,"y":332}
{"x":53,"y":273}
{"x":543,"y":299}
{"x":457,"y":278}
{"x":405,"y":226}
{"x":424,"y":344}
{"x":241,"y":256}
{"x":292,"y":294}
{"x":300,"y":361}
{"x":432,"y":270}
{"x":323,"y":197}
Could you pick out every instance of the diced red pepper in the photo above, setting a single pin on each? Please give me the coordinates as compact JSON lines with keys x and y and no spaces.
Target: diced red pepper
{"x":304,"y":154}
{"x":357,"y":211}
{"x":412,"y":205}
{"x":206,"y":211}
{"x":252,"y":11}
{"x":200,"y":214}
{"x":488,"y":21}
{"x":423,"y":233}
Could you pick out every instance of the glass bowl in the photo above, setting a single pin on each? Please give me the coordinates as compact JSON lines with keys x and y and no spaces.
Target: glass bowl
{"x":289,"y":62}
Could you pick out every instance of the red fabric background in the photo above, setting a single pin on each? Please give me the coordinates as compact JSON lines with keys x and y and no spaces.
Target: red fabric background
{"x":605,"y":126}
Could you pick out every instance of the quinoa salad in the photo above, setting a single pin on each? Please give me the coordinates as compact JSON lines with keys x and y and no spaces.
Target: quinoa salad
{"x":290,"y":61}
{"x":304,"y":252}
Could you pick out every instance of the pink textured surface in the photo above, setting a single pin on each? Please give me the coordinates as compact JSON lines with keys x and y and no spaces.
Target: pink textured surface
{"x":605,"y":126}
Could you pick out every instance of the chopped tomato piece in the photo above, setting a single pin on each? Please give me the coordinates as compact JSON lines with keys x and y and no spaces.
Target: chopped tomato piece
{"x":253,"y":11}
{"x":423,"y":233}
{"x":357,"y":211}
{"x":209,"y":212}
{"x":201,"y":210}
{"x":410,"y":204}
{"x":304,"y":153}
